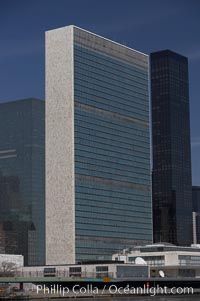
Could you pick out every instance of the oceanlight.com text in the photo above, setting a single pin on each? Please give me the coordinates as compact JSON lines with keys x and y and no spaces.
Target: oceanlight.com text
{"x":113,"y":289}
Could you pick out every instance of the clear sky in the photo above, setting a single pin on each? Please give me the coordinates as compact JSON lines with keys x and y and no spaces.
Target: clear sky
{"x":145,"y":25}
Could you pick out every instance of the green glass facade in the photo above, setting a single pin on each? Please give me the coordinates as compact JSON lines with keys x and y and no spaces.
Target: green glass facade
{"x":112,"y":149}
{"x":22,"y":179}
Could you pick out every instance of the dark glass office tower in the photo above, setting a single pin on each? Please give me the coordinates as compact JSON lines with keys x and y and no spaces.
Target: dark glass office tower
{"x":22,"y":179}
{"x":172,"y":188}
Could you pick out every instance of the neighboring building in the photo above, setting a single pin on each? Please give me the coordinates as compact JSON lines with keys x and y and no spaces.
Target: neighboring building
{"x":172,"y":187}
{"x":22,"y":179}
{"x":196,"y":213}
{"x":173,"y":260}
{"x":98,"y":183}
{"x":96,"y":270}
{"x":6,"y":260}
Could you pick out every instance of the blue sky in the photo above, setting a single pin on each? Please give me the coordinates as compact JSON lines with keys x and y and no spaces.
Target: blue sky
{"x":145,"y":25}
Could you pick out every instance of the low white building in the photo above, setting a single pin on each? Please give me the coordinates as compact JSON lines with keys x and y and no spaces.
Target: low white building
{"x":98,"y":270}
{"x":174,"y":260}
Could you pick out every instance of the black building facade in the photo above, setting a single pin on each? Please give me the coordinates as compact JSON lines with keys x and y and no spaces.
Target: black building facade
{"x":172,"y":187}
{"x":22,"y":186}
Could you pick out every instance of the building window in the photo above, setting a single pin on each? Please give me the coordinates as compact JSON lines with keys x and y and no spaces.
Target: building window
{"x":75,"y":272}
{"x":101,"y":271}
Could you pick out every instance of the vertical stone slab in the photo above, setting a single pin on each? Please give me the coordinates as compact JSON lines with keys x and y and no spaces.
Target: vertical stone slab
{"x":60,"y":220}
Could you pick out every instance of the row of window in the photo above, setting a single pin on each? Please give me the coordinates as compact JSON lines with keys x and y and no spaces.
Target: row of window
{"x":130,"y":104}
{"x":141,"y":151}
{"x":88,"y":136}
{"x":189,"y":260}
{"x":150,"y":260}
{"x":133,"y":156}
{"x":107,"y":122}
{"x":108,"y":63}
{"x":115,"y":85}
{"x":96,"y":147}
{"x":109,"y":76}
{"x":111,"y":199}
{"x":113,"y":231}
{"x":111,"y":196}
{"x":82,"y":185}
{"x":91,"y":220}
{"x":101,"y":252}
{"x":125,"y":120}
{"x":103,"y":92}
{"x":115,"y":209}
{"x":114,"y":51}
{"x":106,"y":59}
{"x":114,"y":118}
{"x":105,"y":131}
{"x":116,"y":234}
{"x":113,"y":214}
{"x":109,"y":103}
{"x":110,"y":161}
{"x":94,"y":163}
{"x":113,"y":176}
{"x":107,"y":246}
{"x":112,"y":169}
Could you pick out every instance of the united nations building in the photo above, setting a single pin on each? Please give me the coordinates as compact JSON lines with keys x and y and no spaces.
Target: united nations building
{"x":98,"y":181}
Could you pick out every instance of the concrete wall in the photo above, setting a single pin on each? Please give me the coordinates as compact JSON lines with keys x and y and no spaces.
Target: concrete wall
{"x":60,"y":224}
{"x":171,"y":259}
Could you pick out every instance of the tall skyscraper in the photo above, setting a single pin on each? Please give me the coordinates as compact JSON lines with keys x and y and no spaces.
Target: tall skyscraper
{"x":22,"y":179}
{"x":98,"y":184}
{"x":172,"y":188}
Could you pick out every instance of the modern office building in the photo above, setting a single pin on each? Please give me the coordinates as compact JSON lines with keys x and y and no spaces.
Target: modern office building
{"x":172,"y":188}
{"x":98,"y":184}
{"x":164,"y":259}
{"x":22,"y":179}
{"x":196,"y":213}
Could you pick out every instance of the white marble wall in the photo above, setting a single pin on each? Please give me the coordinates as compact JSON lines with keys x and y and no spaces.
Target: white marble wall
{"x":60,"y":220}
